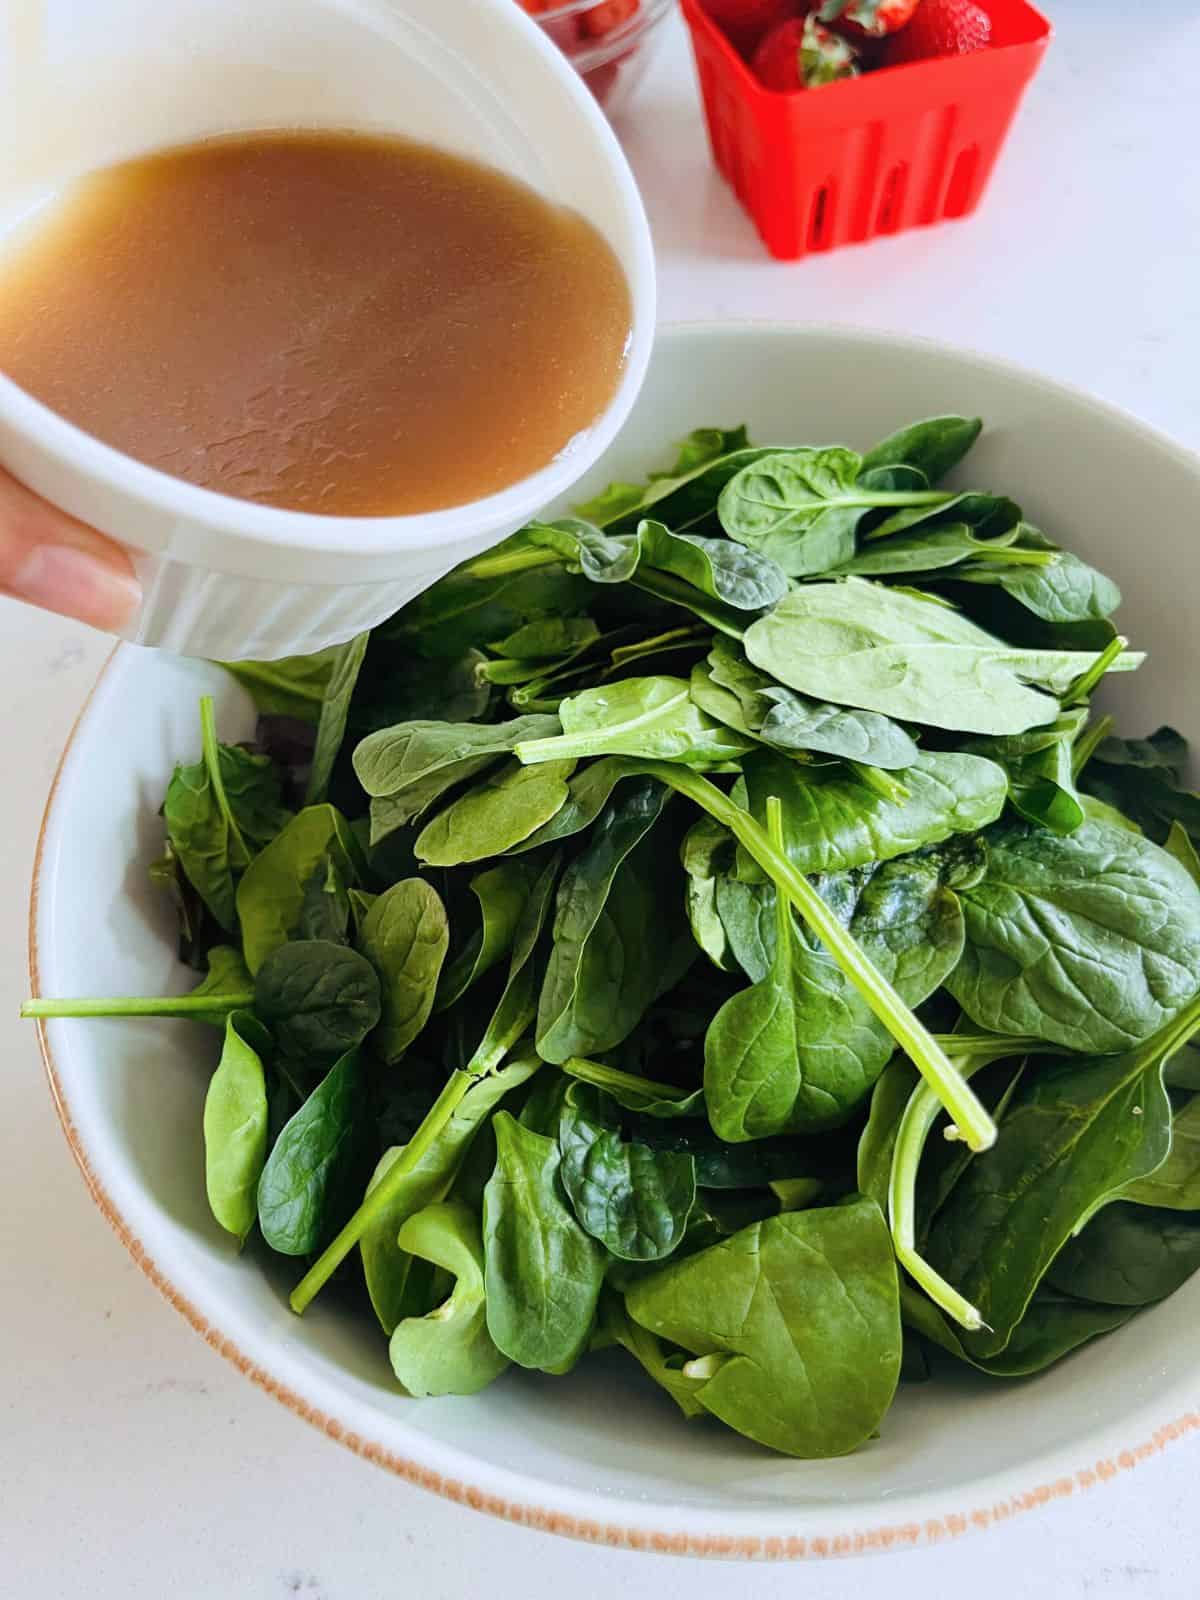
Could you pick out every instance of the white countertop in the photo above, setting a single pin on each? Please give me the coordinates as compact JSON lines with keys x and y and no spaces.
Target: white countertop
{"x":134,"y":1463}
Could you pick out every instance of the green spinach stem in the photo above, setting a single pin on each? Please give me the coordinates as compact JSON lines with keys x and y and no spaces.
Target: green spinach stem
{"x":212,"y":762}
{"x":951,"y":1088}
{"x":182,"y":1005}
{"x":1088,"y":743}
{"x":595,"y":1072}
{"x":1087,"y":681}
{"x":920,"y":1114}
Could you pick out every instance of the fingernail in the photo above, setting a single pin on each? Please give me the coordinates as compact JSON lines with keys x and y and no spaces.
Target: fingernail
{"x":76,"y":583}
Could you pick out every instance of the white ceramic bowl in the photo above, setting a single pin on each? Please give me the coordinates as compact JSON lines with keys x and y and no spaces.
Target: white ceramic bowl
{"x":86,"y":83}
{"x":603,"y":1455}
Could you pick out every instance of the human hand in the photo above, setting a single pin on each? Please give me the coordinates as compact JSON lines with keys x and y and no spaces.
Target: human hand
{"x":50,"y":560}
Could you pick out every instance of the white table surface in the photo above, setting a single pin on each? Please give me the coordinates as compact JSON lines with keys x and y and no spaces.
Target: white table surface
{"x":134,"y":1463}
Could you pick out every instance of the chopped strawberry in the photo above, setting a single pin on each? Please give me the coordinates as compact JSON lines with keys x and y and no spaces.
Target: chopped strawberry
{"x":866,"y":19}
{"x":746,"y":21}
{"x":606,"y":17}
{"x":803,"y":54}
{"x":940,"y":28}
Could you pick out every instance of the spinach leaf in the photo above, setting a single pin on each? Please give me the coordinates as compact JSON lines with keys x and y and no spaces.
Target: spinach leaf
{"x":651,"y":718}
{"x":1040,"y":769}
{"x":794,"y":1324}
{"x":1053,"y":1326}
{"x":634,"y":1093}
{"x":270,"y":896}
{"x":1144,"y":779}
{"x":386,"y":1267}
{"x":542,"y":1272}
{"x":933,"y":446}
{"x":320,"y":1000}
{"x":421,"y":760}
{"x":1175,"y":1186}
{"x":325,"y":905}
{"x":588,"y":792}
{"x":1063,"y":590}
{"x":488,"y":597}
{"x":708,"y":855}
{"x":499,"y":811}
{"x":801,"y":1048}
{"x":1129,"y":1255}
{"x":937,"y":546}
{"x":517,"y":1006}
{"x":294,"y":686}
{"x":335,"y":712}
{"x":718,"y":568}
{"x":501,"y":892}
{"x":612,"y":901}
{"x":617,"y":1327}
{"x":832,"y":821}
{"x":395,"y":686}
{"x":449,"y":1351}
{"x":634,"y":1199}
{"x":1076,"y":1132}
{"x":235,"y":1125}
{"x":680,"y":496}
{"x":405,"y":936}
{"x":1087,"y":940}
{"x":218,"y":813}
{"x":309,"y":1181}
{"x":905,"y":655}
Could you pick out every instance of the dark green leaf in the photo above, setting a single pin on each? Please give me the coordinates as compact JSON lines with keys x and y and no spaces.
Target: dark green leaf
{"x":795,"y":1323}
{"x":405,"y":936}
{"x":933,"y":446}
{"x":304,"y":1188}
{"x":634,"y":1199}
{"x":320,"y":1000}
{"x":543,"y":1272}
{"x":335,"y":712}
{"x":270,"y":896}
{"x":1129,"y":1255}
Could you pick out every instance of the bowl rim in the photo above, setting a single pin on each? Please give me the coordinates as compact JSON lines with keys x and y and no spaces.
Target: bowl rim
{"x":1099,"y":1456}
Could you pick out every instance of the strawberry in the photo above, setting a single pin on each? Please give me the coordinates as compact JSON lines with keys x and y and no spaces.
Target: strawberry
{"x":865,"y":19}
{"x":604,"y":18}
{"x":803,"y":54}
{"x":940,"y":28}
{"x":746,"y":21}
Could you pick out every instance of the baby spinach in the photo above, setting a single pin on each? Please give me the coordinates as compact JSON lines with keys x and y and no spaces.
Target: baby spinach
{"x":802,"y":507}
{"x":405,"y":937}
{"x":270,"y":896}
{"x":597,"y":982}
{"x":1028,"y":980}
{"x":320,"y":1000}
{"x":386,"y":1267}
{"x":1087,"y":940}
{"x":652,"y":718}
{"x":634,"y":1199}
{"x":501,"y":892}
{"x":421,"y":760}
{"x":933,"y":446}
{"x":793,"y":1324}
{"x":1075,"y":1134}
{"x":310,"y":1177}
{"x":448,"y":1351}
{"x":235,"y":1125}
{"x":907,"y":656}
{"x":1175,"y":1186}
{"x":335,"y":712}
{"x":542,"y":1271}
{"x":832,"y":821}
{"x":500,"y":810}
{"x":1129,"y":1255}
{"x":218,"y":812}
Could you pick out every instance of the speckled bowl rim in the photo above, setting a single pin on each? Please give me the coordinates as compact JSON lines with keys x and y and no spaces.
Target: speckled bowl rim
{"x":1100,"y":1457}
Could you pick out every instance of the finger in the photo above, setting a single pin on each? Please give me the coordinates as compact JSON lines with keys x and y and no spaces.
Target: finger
{"x":50,"y":560}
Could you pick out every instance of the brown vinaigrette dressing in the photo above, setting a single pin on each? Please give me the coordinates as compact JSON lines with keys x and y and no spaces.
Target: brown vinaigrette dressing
{"x":330,"y":322}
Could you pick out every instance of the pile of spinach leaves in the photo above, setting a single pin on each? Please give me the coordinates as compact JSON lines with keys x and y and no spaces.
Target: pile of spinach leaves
{"x":712,"y":926}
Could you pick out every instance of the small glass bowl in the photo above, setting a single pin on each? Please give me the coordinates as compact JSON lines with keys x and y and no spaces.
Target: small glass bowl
{"x":607,"y":41}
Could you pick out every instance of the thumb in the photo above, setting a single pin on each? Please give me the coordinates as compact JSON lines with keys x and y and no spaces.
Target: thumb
{"x":52,"y":561}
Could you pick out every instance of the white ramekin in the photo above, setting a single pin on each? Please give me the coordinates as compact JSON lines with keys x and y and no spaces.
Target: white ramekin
{"x":89,"y":82}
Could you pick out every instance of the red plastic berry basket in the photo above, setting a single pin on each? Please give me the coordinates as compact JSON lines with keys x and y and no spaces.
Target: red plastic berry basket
{"x":898,"y":148}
